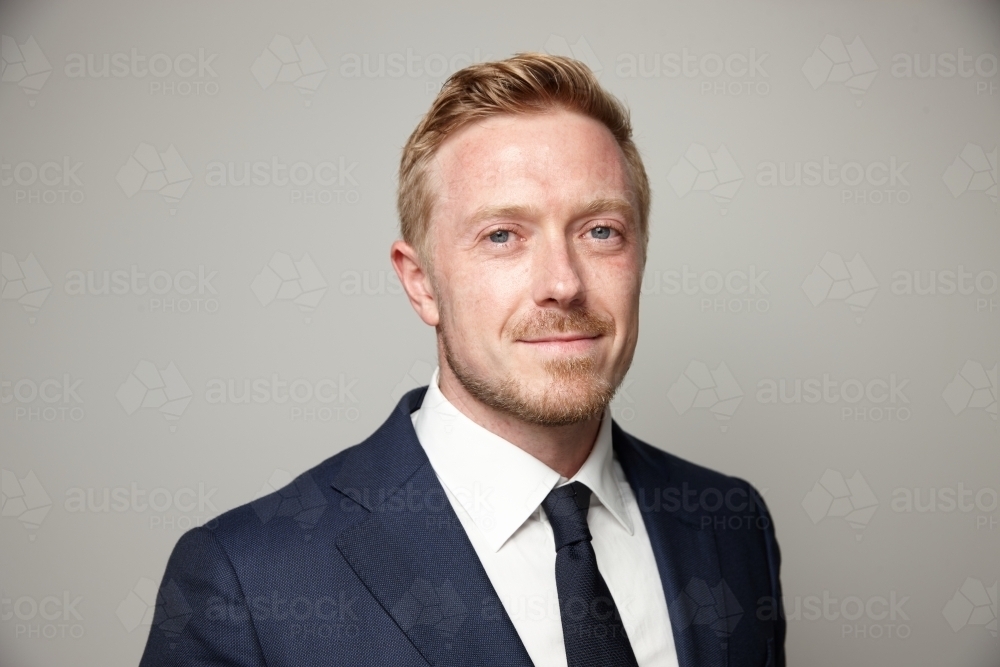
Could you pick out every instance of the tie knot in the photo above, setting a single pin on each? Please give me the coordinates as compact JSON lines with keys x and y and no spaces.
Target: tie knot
{"x":566,"y":506}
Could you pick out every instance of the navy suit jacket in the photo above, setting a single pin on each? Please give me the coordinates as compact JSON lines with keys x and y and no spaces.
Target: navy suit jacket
{"x":362,"y":561}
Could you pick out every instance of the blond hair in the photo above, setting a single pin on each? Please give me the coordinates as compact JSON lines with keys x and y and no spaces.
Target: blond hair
{"x":526,"y":83}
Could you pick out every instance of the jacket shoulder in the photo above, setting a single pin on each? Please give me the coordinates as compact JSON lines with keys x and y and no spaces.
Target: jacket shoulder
{"x":290,"y":508}
{"x":677,"y":470}
{"x":318,"y":504}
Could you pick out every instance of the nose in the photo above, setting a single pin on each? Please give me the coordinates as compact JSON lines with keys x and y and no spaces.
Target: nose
{"x":557,"y":275}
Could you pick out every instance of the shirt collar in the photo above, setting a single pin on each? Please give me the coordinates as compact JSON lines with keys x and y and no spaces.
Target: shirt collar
{"x":498,"y":483}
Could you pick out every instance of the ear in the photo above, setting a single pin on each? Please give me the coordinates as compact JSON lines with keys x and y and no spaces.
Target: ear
{"x":415,"y":281}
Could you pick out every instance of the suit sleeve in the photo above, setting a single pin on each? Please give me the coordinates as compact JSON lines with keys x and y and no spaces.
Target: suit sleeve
{"x":774,"y":569}
{"x":201,"y":615}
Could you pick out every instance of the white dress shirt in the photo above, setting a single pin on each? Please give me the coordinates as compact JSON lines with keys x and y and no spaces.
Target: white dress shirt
{"x":496,"y":489}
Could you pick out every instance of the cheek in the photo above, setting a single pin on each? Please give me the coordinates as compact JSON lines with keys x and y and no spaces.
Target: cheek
{"x":617,"y":279}
{"x":491,"y":287}
{"x":480,"y":298}
{"x":614,"y":288}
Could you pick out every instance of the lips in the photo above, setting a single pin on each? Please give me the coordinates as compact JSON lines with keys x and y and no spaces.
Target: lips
{"x":564,"y":338}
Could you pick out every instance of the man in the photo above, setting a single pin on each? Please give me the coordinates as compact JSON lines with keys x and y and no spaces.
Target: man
{"x":499,"y":516}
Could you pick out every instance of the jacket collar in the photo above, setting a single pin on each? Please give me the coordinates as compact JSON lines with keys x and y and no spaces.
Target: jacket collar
{"x":415,"y":558}
{"x":413,"y":554}
{"x":686,"y":553}
{"x":381,"y":464}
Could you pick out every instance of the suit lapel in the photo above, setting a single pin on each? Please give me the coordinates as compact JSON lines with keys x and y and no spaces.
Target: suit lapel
{"x":412,"y":552}
{"x":686,"y":556}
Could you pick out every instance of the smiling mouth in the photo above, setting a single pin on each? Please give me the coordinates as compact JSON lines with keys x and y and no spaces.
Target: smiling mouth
{"x":562,"y":338}
{"x":563,"y":344}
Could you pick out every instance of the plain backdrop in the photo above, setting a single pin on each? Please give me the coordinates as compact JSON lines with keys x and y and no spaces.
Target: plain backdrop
{"x":820,"y":313}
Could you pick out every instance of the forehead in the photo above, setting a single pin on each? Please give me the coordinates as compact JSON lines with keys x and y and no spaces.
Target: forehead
{"x":552,"y":158}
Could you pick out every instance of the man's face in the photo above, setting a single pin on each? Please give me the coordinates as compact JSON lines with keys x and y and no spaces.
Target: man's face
{"x":537,"y":264}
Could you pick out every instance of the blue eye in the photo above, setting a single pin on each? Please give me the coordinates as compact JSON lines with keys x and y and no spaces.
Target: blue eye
{"x":500,"y":236}
{"x":600,"y":232}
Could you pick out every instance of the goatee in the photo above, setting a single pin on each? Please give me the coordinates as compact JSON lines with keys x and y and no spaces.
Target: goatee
{"x":576,"y":390}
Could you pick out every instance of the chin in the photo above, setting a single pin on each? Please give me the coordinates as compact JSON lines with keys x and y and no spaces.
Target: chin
{"x":564,"y":404}
{"x":557,"y":393}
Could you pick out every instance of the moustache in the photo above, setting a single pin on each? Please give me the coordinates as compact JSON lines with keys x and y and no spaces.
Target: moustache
{"x":544,"y":322}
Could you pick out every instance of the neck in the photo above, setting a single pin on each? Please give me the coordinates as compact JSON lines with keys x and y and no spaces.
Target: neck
{"x":562,"y":448}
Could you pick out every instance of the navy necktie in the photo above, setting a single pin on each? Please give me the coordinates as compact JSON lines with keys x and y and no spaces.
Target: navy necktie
{"x":592,"y":627}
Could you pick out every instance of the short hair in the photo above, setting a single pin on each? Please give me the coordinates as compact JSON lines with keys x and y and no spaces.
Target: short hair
{"x":526,"y":83}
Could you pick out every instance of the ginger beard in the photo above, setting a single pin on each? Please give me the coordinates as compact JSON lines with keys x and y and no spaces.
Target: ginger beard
{"x":575,"y":390}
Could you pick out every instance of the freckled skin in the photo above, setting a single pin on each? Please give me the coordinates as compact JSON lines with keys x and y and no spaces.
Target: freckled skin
{"x":542,"y":267}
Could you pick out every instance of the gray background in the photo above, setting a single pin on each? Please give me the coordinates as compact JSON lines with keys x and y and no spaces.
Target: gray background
{"x":74,"y":576}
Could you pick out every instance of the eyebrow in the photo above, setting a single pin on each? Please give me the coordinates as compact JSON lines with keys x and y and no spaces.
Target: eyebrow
{"x":593,"y":207}
{"x":610,"y":205}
